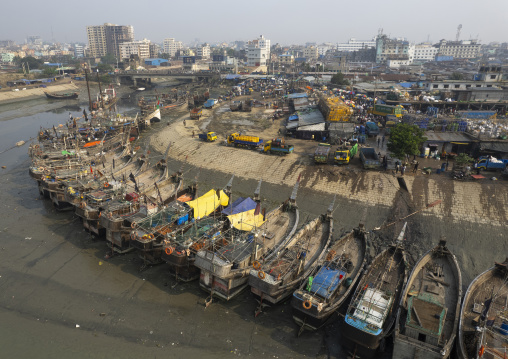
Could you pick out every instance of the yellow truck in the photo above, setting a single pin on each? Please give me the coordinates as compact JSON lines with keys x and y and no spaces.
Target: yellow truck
{"x":210,"y":136}
{"x":343,"y":154}
{"x":244,"y":141}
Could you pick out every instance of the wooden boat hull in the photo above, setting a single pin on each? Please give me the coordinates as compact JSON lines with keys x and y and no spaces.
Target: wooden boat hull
{"x":382,"y":287}
{"x":347,"y":255}
{"x":181,"y":265}
{"x":481,"y":315}
{"x":61,"y":97}
{"x":430,"y":307}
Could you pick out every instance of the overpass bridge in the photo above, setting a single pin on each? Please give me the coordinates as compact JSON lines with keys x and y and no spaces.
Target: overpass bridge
{"x":145,"y":76}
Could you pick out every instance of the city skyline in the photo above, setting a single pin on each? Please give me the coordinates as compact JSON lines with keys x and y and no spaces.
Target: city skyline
{"x":283,"y":22}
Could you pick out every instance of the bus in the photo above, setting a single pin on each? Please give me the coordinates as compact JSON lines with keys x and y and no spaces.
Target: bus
{"x":384,"y":110}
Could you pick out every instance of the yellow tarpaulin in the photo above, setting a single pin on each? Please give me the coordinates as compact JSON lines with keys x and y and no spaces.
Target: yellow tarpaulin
{"x":208,"y":203}
{"x":246,"y":221}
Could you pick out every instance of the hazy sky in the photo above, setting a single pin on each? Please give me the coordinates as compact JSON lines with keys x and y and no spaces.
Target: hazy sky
{"x":281,"y":21}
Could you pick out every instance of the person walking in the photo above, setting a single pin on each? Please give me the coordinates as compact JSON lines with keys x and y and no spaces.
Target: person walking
{"x":402,"y":170}
{"x":415,"y":167}
{"x":383,"y":141}
{"x":184,"y":124}
{"x":378,"y":141}
{"x":397,"y":165}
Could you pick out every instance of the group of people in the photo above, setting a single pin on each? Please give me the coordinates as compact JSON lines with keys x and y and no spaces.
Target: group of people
{"x":403,"y":166}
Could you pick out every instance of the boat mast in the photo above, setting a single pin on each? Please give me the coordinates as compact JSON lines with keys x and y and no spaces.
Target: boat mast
{"x":100,"y":89}
{"x":88,"y":88}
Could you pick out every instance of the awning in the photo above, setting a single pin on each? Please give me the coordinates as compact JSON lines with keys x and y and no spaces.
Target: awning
{"x":246,"y":221}
{"x":433,"y":145}
{"x":460,"y":143}
{"x":208,"y":203}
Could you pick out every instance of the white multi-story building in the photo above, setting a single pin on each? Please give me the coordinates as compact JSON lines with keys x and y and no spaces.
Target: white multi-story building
{"x":258,"y":52}
{"x":140,"y":48}
{"x":106,"y":39}
{"x":79,"y":51}
{"x":425,"y":53}
{"x":171,"y":47}
{"x":203,"y":51}
{"x":323,"y":48}
{"x":466,"y":49}
{"x":355,"y":45}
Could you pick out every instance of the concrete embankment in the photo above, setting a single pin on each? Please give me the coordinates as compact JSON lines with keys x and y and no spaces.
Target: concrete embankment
{"x":21,"y":95}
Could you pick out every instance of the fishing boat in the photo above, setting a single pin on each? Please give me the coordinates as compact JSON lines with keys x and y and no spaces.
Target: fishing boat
{"x":373,"y":308}
{"x":64,"y":96}
{"x":330,"y":284}
{"x":180,"y":248}
{"x":149,"y":235}
{"x":254,"y":235}
{"x":429,"y":309}
{"x":483,"y":323}
{"x":275,"y":278}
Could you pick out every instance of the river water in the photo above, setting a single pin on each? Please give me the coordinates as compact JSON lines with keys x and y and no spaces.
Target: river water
{"x":60,"y":297}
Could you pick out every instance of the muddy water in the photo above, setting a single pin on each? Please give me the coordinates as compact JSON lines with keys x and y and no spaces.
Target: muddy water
{"x":59,"y":296}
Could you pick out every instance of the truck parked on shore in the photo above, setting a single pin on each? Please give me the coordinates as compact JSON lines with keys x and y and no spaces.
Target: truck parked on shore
{"x":370,"y":158}
{"x":492,"y":163}
{"x":238,"y":140}
{"x":209,"y":137}
{"x":278,"y":146}
{"x":321,"y":153}
{"x":196,"y":113}
{"x":344,"y":154}
{"x":210,"y":103}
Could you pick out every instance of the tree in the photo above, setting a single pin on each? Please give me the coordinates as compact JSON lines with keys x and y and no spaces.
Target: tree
{"x":463,"y":159}
{"x":102,"y":67}
{"x":108,"y":59}
{"x":457,"y":76}
{"x":164,"y":55}
{"x":338,"y":79}
{"x":405,"y":140}
{"x":49,"y":71}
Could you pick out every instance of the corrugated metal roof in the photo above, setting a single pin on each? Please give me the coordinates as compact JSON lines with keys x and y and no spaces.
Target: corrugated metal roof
{"x":310,"y":117}
{"x":448,"y":137}
{"x":315,"y":127}
{"x":495,"y":146}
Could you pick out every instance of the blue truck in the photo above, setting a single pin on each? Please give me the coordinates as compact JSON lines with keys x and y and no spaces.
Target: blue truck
{"x":371,"y":128}
{"x":210,"y":103}
{"x":492,"y":163}
{"x":370,"y":158}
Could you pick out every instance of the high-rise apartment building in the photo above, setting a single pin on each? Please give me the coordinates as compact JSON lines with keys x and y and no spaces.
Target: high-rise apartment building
{"x":106,"y":39}
{"x":171,"y":47}
{"x":203,"y":51}
{"x":258,"y":52}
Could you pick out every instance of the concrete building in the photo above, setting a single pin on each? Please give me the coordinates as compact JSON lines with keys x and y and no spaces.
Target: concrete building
{"x":140,"y":48}
{"x":222,"y":62}
{"x":286,"y":59}
{"x":258,"y":52}
{"x":425,"y":53}
{"x":450,"y":85}
{"x":34,"y":40}
{"x":79,"y":51}
{"x":490,"y":72}
{"x":203,"y":51}
{"x":310,"y":53}
{"x":395,"y":64}
{"x":393,"y":49}
{"x":171,"y":46}
{"x":324,"y":48}
{"x":106,"y":39}
{"x":466,"y":49}
{"x":7,"y":57}
{"x":355,"y":45}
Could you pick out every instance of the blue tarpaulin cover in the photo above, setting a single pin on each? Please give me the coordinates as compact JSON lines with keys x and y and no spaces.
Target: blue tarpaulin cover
{"x":293,"y":117}
{"x":240,"y":205}
{"x":297,"y":95}
{"x":326,"y":281}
